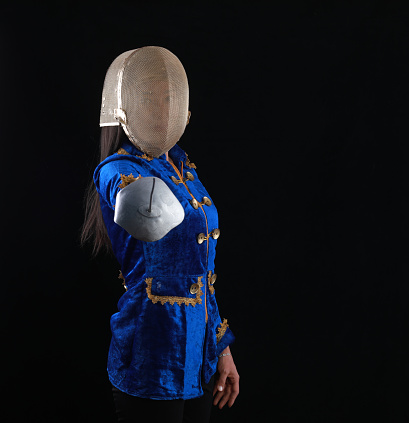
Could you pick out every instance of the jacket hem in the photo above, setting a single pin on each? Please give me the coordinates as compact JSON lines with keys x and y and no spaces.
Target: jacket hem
{"x":153,"y":397}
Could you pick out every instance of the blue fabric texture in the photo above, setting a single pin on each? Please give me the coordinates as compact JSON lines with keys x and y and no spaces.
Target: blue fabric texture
{"x":161,"y":342}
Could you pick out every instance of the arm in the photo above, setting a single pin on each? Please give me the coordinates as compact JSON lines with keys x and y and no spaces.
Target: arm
{"x":144,"y":206}
{"x":226,"y":386}
{"x":147,"y":209}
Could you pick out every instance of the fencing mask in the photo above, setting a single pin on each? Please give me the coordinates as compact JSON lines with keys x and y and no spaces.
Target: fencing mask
{"x":146,"y":91}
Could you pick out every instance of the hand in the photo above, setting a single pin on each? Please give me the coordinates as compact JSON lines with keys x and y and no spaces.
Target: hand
{"x":227,"y":381}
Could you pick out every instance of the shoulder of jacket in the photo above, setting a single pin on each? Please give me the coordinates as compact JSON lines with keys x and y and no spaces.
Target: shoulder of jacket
{"x":118,"y":163}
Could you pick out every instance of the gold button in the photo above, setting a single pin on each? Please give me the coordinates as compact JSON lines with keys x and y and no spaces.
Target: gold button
{"x":194,"y":288}
{"x":200,"y":238}
{"x":190,"y":176}
{"x":206,"y":201}
{"x":213,"y":279}
{"x":194,"y":203}
{"x":215,"y":233}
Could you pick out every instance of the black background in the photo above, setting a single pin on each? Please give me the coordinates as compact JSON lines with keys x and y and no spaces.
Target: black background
{"x":299,"y":131}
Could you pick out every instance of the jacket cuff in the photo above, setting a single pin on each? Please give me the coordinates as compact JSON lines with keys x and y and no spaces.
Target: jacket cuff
{"x":224,"y":337}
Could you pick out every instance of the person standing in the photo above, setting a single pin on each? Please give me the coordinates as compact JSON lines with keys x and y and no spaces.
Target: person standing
{"x":170,"y":349}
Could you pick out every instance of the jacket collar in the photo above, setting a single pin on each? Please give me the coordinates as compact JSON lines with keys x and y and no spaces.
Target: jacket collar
{"x":175,"y":153}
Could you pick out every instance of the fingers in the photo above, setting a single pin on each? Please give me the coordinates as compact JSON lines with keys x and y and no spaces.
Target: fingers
{"x":221,"y":381}
{"x":222,"y":397}
{"x":219,"y":386}
{"x":229,"y":392}
{"x":234,"y":393}
{"x":215,"y":387}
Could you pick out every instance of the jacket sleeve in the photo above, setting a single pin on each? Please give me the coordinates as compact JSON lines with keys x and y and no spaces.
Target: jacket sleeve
{"x":224,"y":336}
{"x":111,"y":177}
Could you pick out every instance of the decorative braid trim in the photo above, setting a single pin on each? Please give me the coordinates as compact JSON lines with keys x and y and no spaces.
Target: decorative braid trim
{"x":126,"y":180}
{"x":121,"y":276}
{"x":122,"y":151}
{"x":221,"y":330}
{"x":172,"y":300}
{"x":211,"y":287}
{"x":188,"y":163}
{"x":146,"y":157}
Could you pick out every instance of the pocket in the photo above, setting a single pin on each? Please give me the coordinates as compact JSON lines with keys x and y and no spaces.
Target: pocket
{"x":175,"y":290}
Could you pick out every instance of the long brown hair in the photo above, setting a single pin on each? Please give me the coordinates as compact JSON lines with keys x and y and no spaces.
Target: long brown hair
{"x":93,"y":228}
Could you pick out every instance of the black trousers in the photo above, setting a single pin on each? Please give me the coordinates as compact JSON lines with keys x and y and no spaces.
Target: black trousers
{"x":130,"y":409}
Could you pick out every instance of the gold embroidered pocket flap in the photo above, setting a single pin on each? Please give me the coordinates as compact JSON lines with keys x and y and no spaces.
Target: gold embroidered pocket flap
{"x":173,"y":290}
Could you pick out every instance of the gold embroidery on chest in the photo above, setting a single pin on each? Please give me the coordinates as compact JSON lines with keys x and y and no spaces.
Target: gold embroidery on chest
{"x":221,"y":330}
{"x":126,"y":180}
{"x":172,"y":300}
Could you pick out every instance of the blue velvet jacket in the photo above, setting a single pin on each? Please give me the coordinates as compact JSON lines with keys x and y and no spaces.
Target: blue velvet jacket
{"x":168,"y":332}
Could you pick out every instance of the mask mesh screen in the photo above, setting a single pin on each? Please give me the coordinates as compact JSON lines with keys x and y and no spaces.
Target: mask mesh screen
{"x":155,"y":98}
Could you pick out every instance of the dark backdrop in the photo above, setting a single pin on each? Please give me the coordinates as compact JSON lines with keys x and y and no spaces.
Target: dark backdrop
{"x":299,"y":131}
